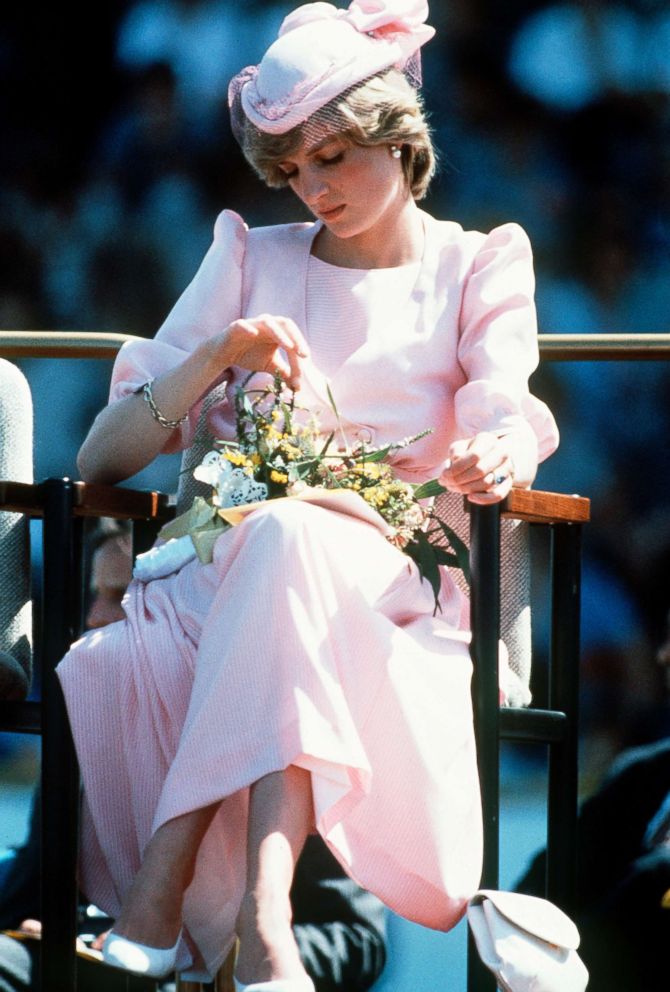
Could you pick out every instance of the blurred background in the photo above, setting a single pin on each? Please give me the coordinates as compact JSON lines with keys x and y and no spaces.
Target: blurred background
{"x":116,"y":156}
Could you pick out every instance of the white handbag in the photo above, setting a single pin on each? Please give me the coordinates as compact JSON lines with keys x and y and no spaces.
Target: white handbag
{"x":529,"y":944}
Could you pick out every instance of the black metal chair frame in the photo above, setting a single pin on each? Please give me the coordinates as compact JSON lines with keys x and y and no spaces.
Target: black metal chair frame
{"x":62,"y":505}
{"x":556,"y":726}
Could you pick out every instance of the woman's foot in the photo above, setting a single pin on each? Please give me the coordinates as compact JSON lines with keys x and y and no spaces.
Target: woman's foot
{"x":139,"y":958}
{"x":268,"y":951}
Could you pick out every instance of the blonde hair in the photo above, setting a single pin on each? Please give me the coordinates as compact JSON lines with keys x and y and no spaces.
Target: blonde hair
{"x":384,"y":109}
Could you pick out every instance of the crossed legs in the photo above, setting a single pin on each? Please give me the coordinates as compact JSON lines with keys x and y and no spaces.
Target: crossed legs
{"x":280,"y":818}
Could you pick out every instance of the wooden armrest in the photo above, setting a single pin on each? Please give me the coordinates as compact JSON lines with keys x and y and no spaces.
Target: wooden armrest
{"x":89,"y":500}
{"x":536,"y":506}
{"x":94,"y":500}
{"x":21,"y":497}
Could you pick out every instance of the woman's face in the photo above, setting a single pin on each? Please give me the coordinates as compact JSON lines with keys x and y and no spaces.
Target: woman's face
{"x":351,"y":188}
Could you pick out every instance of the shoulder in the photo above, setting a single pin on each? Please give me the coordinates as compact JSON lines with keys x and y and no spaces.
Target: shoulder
{"x":508,"y":238}
{"x":232,"y":234}
{"x":276,"y":236}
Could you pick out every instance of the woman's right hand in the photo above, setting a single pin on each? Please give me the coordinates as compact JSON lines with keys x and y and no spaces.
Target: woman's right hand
{"x":125,"y":438}
{"x":266,"y":343}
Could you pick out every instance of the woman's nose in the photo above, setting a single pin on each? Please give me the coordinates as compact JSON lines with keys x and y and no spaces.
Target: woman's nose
{"x":313,"y":188}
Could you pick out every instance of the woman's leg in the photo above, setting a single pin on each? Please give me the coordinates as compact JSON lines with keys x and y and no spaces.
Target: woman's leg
{"x":152,"y":910}
{"x":280,"y":818}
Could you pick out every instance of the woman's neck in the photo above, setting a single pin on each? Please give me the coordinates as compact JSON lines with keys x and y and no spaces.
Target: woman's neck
{"x":396,"y":239}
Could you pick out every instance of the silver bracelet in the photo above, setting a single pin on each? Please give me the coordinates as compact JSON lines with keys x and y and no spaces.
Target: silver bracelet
{"x":148,"y":398}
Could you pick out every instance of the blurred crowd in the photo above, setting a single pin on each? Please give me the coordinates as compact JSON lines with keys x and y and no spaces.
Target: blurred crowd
{"x":116,"y":155}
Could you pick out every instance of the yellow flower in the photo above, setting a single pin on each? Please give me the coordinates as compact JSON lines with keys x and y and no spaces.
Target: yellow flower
{"x":290,"y":451}
{"x":235,"y":457}
{"x":276,"y":476}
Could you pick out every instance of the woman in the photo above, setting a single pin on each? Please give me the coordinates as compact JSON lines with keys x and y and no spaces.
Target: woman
{"x":300,"y":681}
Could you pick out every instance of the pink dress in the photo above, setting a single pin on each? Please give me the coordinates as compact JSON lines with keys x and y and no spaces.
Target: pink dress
{"x":310,"y":640}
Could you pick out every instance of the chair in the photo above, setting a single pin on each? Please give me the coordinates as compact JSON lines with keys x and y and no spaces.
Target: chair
{"x":556,"y":726}
{"x":62,"y":505}
{"x":16,"y":462}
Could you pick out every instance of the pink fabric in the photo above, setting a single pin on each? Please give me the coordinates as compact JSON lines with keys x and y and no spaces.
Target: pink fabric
{"x":456,"y":357}
{"x":402,"y":20}
{"x":323,"y":50}
{"x":310,"y":640}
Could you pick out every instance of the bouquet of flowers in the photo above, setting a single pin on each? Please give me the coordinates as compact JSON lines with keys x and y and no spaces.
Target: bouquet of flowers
{"x":277,"y":454}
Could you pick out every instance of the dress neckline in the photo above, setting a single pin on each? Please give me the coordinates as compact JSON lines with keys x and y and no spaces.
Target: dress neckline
{"x":396,"y":269}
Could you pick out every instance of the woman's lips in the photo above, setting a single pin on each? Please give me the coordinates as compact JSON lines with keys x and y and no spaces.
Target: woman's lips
{"x":331,"y":214}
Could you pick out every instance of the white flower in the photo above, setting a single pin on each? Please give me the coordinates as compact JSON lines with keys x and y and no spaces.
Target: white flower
{"x":232,"y":484}
{"x":210,"y":468}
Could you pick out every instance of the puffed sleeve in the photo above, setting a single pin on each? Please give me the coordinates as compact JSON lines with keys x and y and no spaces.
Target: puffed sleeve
{"x":498,"y":351}
{"x":209,"y":303}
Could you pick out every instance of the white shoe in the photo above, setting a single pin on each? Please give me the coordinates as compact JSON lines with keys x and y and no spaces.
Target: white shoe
{"x":155,"y":962}
{"x":278,"y":985}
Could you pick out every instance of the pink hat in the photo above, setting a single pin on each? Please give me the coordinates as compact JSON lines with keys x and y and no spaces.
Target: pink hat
{"x":323,"y":50}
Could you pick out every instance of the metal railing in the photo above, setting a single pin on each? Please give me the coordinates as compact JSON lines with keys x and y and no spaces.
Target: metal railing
{"x":553,"y":347}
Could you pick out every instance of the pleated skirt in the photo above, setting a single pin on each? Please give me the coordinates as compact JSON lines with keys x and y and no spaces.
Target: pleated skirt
{"x":309,"y":640}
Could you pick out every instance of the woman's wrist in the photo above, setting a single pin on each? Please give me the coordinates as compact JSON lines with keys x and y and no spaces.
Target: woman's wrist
{"x":171,"y":396}
{"x":211,"y":358}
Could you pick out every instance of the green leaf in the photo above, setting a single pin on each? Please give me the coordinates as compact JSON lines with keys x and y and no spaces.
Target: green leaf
{"x":426,"y":490}
{"x":322,"y":453}
{"x":423,"y":553}
{"x":379,"y":455}
{"x":460,"y":548}
{"x":331,"y":400}
{"x":444,"y":557}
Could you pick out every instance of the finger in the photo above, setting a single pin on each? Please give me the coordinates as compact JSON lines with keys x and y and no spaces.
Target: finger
{"x":457,"y":449}
{"x":476,"y":482}
{"x":466,"y":454}
{"x":295,"y":370}
{"x":500,"y":473}
{"x":278,"y":364}
{"x":248,"y":326}
{"x":296,"y":335}
{"x":494,"y":495}
{"x":488,"y":472}
{"x":484,"y":469}
{"x":274,"y":326}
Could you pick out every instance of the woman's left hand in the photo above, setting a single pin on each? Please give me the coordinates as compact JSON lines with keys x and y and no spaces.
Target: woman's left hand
{"x":480,"y":467}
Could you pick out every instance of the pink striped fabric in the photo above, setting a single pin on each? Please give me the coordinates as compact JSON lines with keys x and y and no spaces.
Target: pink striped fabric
{"x":310,"y":640}
{"x":331,"y":661}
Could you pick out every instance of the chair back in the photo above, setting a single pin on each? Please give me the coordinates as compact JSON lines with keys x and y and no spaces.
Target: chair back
{"x":515,"y":624}
{"x":16,"y":465}
{"x":188,"y":487}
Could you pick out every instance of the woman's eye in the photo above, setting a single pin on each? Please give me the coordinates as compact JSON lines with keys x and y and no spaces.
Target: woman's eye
{"x":288,"y":173}
{"x":333,"y":160}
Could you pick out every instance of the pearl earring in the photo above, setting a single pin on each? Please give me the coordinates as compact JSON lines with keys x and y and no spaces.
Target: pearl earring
{"x":395,"y":151}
